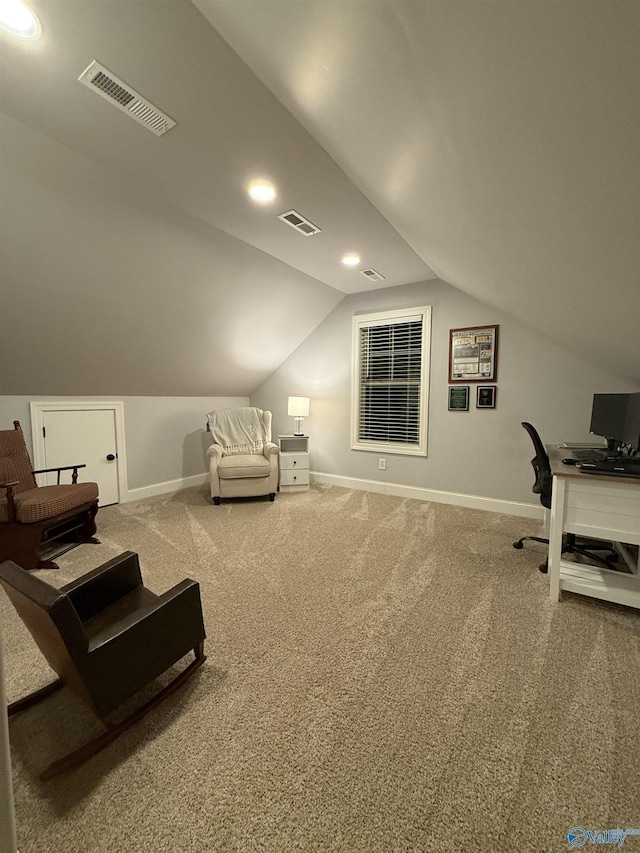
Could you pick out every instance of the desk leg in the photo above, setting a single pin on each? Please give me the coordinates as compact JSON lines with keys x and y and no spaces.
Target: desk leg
{"x":555,"y":536}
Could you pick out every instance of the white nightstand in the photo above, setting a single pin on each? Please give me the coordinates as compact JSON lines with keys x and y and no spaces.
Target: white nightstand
{"x":294,"y":463}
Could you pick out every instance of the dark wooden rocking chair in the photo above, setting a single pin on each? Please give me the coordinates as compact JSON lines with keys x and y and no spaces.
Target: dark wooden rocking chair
{"x":38,"y":523}
{"x":107,"y":636}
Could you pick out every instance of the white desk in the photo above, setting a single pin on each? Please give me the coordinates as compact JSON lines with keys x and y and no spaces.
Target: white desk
{"x":592,"y":505}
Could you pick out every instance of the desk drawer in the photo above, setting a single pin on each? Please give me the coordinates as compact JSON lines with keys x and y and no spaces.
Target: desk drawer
{"x":604,"y":510}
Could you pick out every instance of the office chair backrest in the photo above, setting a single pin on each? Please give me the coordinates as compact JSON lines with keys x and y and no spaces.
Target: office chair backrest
{"x":542,"y":467}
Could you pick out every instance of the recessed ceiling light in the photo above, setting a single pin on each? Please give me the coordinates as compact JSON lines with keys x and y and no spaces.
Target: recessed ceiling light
{"x":351,"y":260}
{"x":262,"y":191}
{"x":17,"y":19}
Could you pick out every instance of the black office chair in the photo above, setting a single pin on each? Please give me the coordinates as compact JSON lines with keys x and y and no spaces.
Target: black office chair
{"x":543,"y":486}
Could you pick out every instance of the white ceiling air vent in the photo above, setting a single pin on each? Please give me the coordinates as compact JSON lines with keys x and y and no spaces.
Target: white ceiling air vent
{"x":293,"y":218}
{"x":372,"y":275}
{"x":101,"y":80}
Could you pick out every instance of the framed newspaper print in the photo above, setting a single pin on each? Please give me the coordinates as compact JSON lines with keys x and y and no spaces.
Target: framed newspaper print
{"x":473,"y":354}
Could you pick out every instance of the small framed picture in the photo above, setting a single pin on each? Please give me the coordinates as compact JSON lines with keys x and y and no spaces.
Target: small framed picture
{"x":459,"y":398}
{"x":486,"y":397}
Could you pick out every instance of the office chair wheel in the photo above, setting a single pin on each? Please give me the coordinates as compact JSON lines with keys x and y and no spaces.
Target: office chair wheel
{"x":544,"y":567}
{"x":519,"y":545}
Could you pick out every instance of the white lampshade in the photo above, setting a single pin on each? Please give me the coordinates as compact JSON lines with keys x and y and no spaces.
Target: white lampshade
{"x":298,"y":407}
{"x":298,"y":410}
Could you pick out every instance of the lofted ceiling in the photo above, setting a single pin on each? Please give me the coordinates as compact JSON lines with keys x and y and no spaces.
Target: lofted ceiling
{"x":230,"y":130}
{"x":501,"y":139}
{"x":492,"y":144}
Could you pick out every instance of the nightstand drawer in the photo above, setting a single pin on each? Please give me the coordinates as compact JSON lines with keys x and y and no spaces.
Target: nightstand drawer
{"x":294,"y":461}
{"x":294,"y":477}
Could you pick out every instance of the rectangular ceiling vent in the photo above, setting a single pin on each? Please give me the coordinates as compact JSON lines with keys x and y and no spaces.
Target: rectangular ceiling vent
{"x":372,"y":275}
{"x":293,"y":218}
{"x":100,"y":80}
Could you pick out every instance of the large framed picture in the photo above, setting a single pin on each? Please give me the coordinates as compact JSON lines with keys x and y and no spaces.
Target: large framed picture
{"x":473,"y":354}
{"x":459,"y":398}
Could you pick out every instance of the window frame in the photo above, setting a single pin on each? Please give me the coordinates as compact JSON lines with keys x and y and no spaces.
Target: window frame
{"x":389,"y":318}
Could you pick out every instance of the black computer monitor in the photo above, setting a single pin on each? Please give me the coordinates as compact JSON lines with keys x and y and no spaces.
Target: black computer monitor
{"x":632,"y":424}
{"x":616,"y":417}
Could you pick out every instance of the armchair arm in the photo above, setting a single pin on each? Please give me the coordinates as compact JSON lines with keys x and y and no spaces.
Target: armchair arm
{"x":74,"y":468}
{"x":270,"y":449}
{"x":133,"y":651}
{"x":11,"y":506}
{"x":101,"y":587}
{"x":215,"y":451}
{"x":151,"y":625}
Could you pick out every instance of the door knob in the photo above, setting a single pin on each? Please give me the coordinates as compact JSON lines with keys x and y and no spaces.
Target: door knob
{"x":110,"y":457}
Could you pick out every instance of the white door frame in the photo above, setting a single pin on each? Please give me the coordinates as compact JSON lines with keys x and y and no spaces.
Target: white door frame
{"x":116,"y":406}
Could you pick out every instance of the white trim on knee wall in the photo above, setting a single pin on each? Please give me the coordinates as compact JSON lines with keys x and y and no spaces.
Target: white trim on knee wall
{"x":417,"y":493}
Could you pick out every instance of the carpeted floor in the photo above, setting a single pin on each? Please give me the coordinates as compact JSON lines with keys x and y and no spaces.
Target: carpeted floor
{"x":383,"y":674}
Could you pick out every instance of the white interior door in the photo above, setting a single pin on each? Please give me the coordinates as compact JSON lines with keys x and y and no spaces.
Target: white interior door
{"x":74,"y":437}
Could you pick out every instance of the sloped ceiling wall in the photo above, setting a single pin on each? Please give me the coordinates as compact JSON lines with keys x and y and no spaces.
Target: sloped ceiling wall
{"x":501,"y":139}
{"x":135,"y":264}
{"x":104,"y":292}
{"x":494,"y":143}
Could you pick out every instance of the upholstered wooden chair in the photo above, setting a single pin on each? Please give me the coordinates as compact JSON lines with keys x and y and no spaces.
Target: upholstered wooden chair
{"x":107,"y":636}
{"x":38,"y":523}
{"x":243,"y":461}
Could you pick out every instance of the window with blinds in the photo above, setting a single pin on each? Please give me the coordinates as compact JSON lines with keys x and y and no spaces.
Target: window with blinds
{"x":390,"y":381}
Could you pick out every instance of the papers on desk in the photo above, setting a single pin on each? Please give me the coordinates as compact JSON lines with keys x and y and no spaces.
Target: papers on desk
{"x":587,"y":445}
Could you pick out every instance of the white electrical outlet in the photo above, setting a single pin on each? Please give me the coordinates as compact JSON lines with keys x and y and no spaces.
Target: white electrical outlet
{"x":382,"y":464}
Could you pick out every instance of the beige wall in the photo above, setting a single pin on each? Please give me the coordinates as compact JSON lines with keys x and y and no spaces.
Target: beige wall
{"x":480,"y":452}
{"x":165,"y":437}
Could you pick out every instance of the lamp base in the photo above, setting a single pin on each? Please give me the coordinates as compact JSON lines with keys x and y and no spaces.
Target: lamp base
{"x":298,"y":426}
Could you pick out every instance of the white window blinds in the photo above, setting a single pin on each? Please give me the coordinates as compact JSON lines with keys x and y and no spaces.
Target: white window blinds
{"x":390,"y":380}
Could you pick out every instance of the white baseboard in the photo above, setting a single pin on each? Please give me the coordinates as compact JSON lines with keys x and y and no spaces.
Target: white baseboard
{"x":164,"y":488}
{"x":471,"y":501}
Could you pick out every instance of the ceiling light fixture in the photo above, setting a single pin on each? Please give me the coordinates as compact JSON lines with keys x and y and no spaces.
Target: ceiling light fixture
{"x":17,"y":19}
{"x":262,"y":191}
{"x":351,"y":260}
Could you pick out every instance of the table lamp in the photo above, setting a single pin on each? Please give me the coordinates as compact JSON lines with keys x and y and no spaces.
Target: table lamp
{"x":298,"y":410}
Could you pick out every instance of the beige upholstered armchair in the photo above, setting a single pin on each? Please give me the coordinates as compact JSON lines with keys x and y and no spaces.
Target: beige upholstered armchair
{"x":243,"y":461}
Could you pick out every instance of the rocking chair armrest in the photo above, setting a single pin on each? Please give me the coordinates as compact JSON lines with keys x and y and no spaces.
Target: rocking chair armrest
{"x":60,"y":468}
{"x":9,"y":484}
{"x":107,"y":583}
{"x":74,"y":468}
{"x":177,"y":612}
{"x":11,"y":504}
